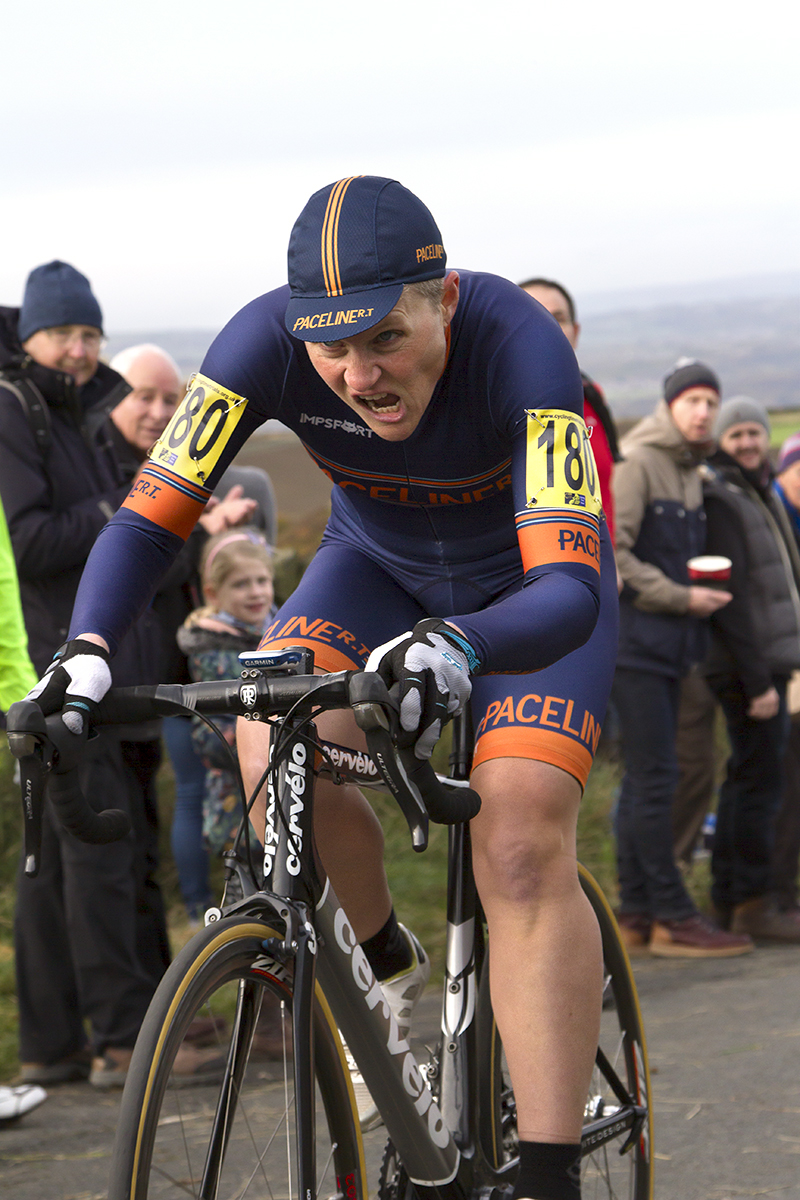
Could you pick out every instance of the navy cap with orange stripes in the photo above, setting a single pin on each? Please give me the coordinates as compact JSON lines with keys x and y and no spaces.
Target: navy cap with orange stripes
{"x":353,"y":248}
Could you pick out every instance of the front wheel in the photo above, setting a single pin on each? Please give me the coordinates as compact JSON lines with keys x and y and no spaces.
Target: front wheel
{"x":616,"y":1161}
{"x":208,"y":1107}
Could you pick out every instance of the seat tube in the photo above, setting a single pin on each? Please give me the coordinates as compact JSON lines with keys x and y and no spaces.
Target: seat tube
{"x":458,"y":1085}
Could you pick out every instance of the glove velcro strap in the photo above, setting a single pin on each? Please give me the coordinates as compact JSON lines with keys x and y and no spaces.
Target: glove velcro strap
{"x":458,"y":640}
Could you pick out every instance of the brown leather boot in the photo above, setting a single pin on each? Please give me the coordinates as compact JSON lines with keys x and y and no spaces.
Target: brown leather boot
{"x":696,"y":937}
{"x":760,"y":917}
{"x":635,"y":929}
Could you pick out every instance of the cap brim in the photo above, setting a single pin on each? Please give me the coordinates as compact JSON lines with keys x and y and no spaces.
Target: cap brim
{"x":330,"y":318}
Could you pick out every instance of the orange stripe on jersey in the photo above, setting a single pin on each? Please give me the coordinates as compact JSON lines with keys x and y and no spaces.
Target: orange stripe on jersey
{"x":558,"y":538}
{"x":166,"y":500}
{"x":327,"y":658}
{"x":543,"y":745}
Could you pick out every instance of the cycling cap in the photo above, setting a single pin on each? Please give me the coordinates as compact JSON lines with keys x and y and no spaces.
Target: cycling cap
{"x":353,"y":248}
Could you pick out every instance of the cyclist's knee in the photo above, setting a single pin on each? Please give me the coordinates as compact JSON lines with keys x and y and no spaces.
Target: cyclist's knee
{"x":524,"y":836}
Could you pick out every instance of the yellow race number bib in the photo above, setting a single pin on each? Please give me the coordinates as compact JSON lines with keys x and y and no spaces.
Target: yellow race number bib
{"x":560,"y":468}
{"x":193,"y":441}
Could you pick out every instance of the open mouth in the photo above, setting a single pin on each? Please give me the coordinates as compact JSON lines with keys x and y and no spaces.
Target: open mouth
{"x":384,"y":404}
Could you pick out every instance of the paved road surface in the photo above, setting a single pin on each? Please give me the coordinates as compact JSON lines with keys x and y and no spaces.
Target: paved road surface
{"x":725,"y":1050}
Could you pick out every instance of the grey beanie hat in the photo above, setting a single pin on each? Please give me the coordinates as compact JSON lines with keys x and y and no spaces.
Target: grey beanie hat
{"x":737,"y":411}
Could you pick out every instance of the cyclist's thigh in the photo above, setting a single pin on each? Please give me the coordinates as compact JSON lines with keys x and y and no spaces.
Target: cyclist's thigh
{"x":344,"y":606}
{"x":555,"y":715}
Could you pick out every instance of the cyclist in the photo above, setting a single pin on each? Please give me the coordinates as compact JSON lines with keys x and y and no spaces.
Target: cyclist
{"x":466,"y":547}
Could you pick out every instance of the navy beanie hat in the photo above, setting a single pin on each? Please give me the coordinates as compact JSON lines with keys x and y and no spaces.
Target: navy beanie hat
{"x":57,"y":294}
{"x":689,"y":373}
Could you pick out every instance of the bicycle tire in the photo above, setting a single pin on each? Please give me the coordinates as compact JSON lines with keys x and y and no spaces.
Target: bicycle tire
{"x":232,"y":1134}
{"x":606,"y":1173}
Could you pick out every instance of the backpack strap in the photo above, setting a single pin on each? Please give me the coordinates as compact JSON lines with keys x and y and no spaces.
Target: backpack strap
{"x":35,"y":406}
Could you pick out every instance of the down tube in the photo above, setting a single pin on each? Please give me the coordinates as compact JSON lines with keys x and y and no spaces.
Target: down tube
{"x":413,"y":1120}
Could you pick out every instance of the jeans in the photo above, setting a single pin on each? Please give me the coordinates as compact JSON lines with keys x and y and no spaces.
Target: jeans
{"x":749,"y":797}
{"x":649,"y":880}
{"x":186,"y":835}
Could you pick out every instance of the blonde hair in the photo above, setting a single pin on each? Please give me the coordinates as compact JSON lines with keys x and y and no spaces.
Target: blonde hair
{"x":221,"y":552}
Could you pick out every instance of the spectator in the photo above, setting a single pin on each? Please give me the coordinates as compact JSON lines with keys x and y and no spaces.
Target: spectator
{"x":786,"y":853}
{"x":755,"y":646}
{"x":660,"y":526}
{"x":237,"y":587}
{"x":16,"y":676}
{"x":83,"y":950}
{"x":559,"y":303}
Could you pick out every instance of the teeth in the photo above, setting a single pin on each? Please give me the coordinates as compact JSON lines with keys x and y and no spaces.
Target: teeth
{"x":374,"y":402}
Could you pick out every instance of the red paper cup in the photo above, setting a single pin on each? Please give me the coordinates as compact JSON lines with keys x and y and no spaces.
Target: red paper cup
{"x":710,"y":570}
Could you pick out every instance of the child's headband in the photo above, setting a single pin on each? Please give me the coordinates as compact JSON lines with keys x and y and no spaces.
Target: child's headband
{"x":256,"y":539}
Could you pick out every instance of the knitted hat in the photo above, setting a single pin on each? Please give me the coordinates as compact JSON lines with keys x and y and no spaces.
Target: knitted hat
{"x":689,"y":373}
{"x":57,"y":294}
{"x":790,"y":452}
{"x":738,"y":411}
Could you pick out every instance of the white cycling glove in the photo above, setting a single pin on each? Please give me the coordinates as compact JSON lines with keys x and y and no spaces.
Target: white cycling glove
{"x":76,"y":680}
{"x":432,"y":665}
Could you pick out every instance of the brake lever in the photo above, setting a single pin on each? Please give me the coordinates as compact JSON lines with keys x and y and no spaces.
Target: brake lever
{"x":28,"y":742}
{"x":375,"y":711}
{"x":43,"y":745}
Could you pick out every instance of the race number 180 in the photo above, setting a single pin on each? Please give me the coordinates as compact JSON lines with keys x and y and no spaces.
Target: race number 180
{"x":560,"y":467}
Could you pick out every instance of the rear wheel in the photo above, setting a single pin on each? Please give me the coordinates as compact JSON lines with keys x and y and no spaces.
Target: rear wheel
{"x":616,"y":1144}
{"x":221,"y":1022}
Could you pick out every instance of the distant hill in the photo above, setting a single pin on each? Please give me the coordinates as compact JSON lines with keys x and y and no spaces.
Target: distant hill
{"x":753,"y":345}
{"x":748,"y":330}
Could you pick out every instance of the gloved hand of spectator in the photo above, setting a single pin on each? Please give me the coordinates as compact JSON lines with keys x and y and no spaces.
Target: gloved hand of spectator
{"x":74,"y":683}
{"x":432,"y":665}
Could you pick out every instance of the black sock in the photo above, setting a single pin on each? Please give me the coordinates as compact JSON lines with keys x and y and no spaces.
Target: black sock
{"x":387,"y":950}
{"x":548,"y":1171}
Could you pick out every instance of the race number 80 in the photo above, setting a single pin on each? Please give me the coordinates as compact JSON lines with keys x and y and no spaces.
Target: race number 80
{"x":193,"y":441}
{"x":560,"y":467}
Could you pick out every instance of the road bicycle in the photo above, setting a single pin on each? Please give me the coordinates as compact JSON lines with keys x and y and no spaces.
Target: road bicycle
{"x":289,"y":1128}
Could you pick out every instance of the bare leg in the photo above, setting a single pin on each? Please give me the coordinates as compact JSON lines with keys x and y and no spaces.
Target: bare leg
{"x":348,"y":834}
{"x":546,"y":955}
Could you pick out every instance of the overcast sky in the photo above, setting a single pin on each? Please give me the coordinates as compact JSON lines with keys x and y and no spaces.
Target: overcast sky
{"x":165,"y":147}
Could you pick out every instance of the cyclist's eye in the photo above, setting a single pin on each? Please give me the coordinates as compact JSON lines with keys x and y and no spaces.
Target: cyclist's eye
{"x":387,"y":335}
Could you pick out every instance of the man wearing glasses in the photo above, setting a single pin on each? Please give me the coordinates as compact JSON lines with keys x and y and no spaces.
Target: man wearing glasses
{"x":82,"y":949}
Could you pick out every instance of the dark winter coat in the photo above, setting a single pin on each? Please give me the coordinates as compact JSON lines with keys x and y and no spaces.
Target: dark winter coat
{"x":58,"y":498}
{"x":757,"y":636}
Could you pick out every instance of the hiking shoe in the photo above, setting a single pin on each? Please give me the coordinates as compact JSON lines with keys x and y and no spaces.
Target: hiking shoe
{"x":696,"y":937}
{"x":110,"y":1069}
{"x":402,"y":991}
{"x":67,"y":1070}
{"x":193,"y":1067}
{"x":16,"y":1101}
{"x":635,"y":930}
{"x":760,"y":917}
